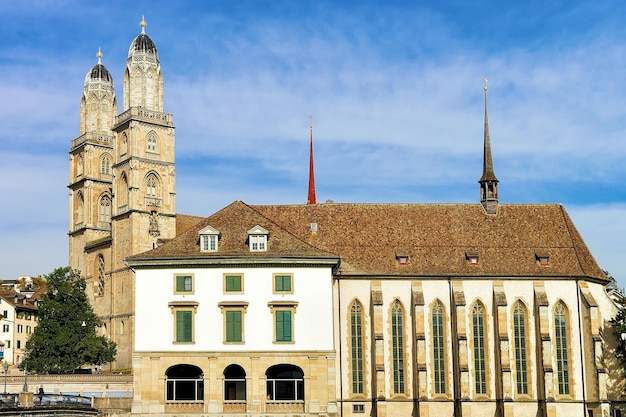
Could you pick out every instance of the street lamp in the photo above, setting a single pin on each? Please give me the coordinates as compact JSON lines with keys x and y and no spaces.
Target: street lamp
{"x":5,"y":366}
{"x":25,"y":387}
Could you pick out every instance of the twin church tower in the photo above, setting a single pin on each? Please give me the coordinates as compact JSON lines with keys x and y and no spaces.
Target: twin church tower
{"x":122,"y":188}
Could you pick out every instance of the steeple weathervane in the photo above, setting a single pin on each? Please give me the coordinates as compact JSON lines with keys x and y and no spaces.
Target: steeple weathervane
{"x":488,"y":182}
{"x":143,"y":25}
{"x":311,"y":196}
{"x":99,"y":55}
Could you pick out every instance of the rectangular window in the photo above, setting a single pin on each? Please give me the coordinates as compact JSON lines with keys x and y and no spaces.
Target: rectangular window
{"x":20,"y":328}
{"x":29,"y":329}
{"x":358,"y":408}
{"x":183,"y":284}
{"x":209,"y":243}
{"x":258,"y":243}
{"x":233,"y":283}
{"x":19,"y":344}
{"x":282,"y":283}
{"x":8,"y":344}
{"x":234,"y":326}
{"x":184,"y":326}
{"x":5,"y":314}
{"x":183,"y":313}
{"x":284,"y":327}
{"x":5,"y":328}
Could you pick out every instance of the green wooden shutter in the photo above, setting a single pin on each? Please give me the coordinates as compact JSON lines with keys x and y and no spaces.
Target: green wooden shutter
{"x":282,"y":283}
{"x":233,"y":326}
{"x":283,"y":326}
{"x":184,"y":326}
{"x":233,"y":283}
{"x":184,"y":283}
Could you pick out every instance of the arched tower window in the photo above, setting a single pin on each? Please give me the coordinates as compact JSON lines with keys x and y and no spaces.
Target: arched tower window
{"x":124,"y":148}
{"x":397,"y":342}
{"x":79,"y":166}
{"x":561,"y":340}
{"x":234,"y":385}
{"x":101,"y":276}
{"x":357,"y":362}
{"x":439,"y":348}
{"x":123,"y":193}
{"x":105,"y":212}
{"x":105,"y":166}
{"x":79,"y":208}
{"x":152,"y":183}
{"x":478,"y":333}
{"x":152,"y":143}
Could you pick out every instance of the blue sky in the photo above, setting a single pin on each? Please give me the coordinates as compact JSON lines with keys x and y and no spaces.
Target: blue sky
{"x":395,"y":90}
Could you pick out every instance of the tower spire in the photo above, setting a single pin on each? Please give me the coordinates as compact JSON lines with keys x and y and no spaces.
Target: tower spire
{"x":488,"y":182}
{"x":311,"y":196}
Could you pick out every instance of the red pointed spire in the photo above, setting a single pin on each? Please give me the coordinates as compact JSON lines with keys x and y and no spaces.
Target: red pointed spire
{"x":311,"y":197}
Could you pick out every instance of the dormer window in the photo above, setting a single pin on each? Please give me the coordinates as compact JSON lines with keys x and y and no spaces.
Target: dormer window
{"x":402,"y":258}
{"x":543,"y":259}
{"x":209,"y":237}
{"x":472,"y":258}
{"x":257,"y":239}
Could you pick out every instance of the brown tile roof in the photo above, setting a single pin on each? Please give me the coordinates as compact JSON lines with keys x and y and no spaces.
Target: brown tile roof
{"x":185,"y":221}
{"x":233,"y":223}
{"x":438,"y":237}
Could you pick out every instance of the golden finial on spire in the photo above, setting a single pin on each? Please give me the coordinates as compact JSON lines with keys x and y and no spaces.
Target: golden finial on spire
{"x":485,"y":80}
{"x":143,"y":25}
{"x":99,"y":55}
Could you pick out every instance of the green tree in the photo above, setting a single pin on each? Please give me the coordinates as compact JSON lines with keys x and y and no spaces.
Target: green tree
{"x":65,"y":337}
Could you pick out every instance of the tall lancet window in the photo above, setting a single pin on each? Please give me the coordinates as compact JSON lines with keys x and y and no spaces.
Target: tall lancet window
{"x":397,"y":341}
{"x":105,"y":211}
{"x":561,"y":340}
{"x":521,"y":366}
{"x":356,"y":347}
{"x":151,"y":185}
{"x":478,"y":332}
{"x":106,"y":165}
{"x":439,"y":349}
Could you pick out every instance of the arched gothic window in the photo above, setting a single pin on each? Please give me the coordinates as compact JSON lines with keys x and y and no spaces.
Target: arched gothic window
{"x":561,"y":340}
{"x":519,"y":335}
{"x":397,"y":342}
{"x":105,"y":167}
{"x":478,"y":333}
{"x":151,"y":185}
{"x":123,"y":193}
{"x":124,"y":148}
{"x":152,"y":143}
{"x":101,"y":276}
{"x":79,"y":166}
{"x":105,"y":212}
{"x":79,"y":208}
{"x":439,"y":348}
{"x":357,"y":361}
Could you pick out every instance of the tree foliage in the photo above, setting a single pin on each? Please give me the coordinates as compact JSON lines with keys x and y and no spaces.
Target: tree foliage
{"x":65,"y":337}
{"x":618,"y":323}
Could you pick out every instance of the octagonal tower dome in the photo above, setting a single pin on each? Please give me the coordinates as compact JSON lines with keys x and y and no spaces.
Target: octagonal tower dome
{"x":142,"y":44}
{"x":99,"y":72}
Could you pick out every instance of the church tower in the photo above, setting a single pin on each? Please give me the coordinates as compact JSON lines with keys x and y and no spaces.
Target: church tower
{"x":91,"y":159}
{"x":145,"y":190}
{"x":122,"y":186}
{"x":488,"y":182}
